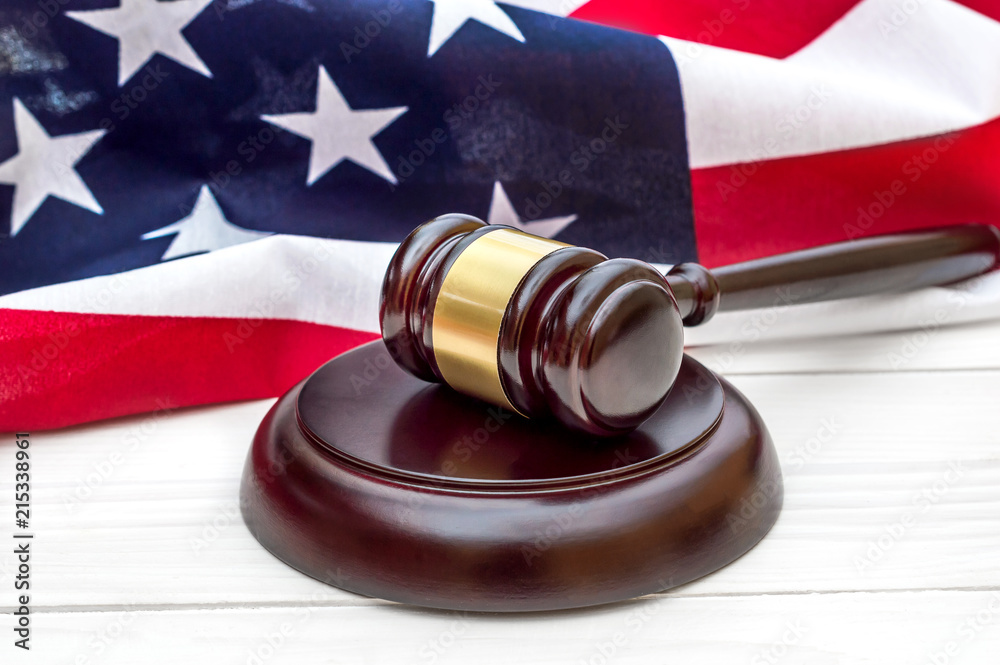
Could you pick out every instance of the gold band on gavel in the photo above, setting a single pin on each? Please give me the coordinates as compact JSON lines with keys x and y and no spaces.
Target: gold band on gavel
{"x":470,"y":307}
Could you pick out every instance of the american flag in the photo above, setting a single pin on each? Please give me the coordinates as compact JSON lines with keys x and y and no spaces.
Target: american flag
{"x":199,"y":197}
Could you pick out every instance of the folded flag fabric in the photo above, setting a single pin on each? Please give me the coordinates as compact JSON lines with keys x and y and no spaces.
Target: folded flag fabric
{"x":201,"y":196}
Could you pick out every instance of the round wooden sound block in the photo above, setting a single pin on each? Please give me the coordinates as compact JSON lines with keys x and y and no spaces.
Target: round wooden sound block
{"x":374,"y":481}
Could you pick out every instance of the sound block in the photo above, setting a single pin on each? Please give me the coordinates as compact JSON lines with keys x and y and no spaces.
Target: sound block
{"x":374,"y":481}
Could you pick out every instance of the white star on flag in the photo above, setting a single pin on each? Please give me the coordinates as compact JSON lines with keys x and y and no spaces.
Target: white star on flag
{"x":204,"y":230}
{"x":502,"y":212}
{"x":45,"y":166}
{"x":339,"y":132}
{"x":144,"y":28}
{"x":450,"y":15}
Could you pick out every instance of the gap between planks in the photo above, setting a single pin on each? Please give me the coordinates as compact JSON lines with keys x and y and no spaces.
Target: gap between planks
{"x":378,"y":602}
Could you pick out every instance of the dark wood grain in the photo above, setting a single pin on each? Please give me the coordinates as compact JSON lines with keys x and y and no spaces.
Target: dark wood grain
{"x":367,"y":478}
{"x":866,"y":266}
{"x":592,"y":342}
{"x":595,"y":342}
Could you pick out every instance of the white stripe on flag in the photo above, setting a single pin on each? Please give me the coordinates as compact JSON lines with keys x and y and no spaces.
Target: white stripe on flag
{"x":337,"y":282}
{"x":889,"y":70}
{"x":331,"y":282}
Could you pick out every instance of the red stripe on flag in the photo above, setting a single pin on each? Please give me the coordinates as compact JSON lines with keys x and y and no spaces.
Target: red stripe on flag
{"x":775,"y":28}
{"x":752,"y":210}
{"x":59,"y":369}
{"x":989,"y":8}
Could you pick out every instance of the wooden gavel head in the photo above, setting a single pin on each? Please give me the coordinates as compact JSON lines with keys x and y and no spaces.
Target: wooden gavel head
{"x":536,"y":326}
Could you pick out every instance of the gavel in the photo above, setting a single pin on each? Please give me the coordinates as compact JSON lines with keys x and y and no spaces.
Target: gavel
{"x":550,"y":330}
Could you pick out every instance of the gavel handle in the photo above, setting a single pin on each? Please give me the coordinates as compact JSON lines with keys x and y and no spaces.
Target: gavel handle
{"x":867,"y":266}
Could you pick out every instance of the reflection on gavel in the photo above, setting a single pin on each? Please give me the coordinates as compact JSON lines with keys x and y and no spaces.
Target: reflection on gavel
{"x":548,"y":329}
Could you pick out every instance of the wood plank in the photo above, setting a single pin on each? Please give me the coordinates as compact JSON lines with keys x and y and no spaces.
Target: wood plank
{"x":923,"y":628}
{"x":970,"y":347}
{"x":935,"y":308}
{"x":144,"y":509}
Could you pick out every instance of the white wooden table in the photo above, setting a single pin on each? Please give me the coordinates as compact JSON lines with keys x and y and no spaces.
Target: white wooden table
{"x":887,"y":550}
